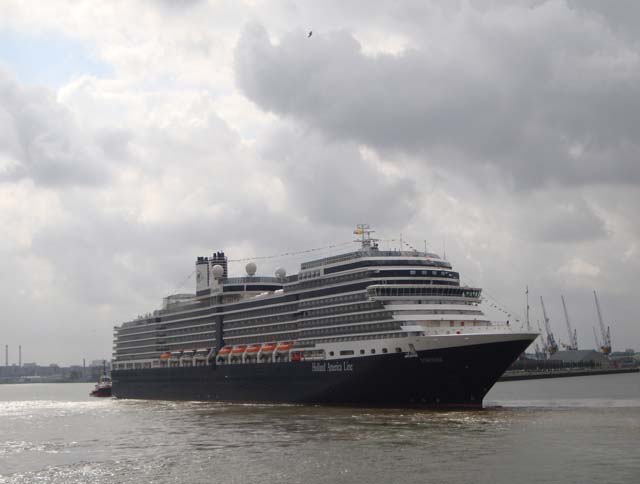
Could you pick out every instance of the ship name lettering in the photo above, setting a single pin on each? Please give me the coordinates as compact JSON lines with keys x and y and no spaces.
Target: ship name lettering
{"x":318,"y":367}
{"x":431,"y":360}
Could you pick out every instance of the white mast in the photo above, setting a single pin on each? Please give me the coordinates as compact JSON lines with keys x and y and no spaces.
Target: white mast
{"x":364,"y":231}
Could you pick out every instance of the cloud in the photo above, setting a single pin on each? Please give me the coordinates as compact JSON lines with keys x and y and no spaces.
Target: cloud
{"x":40,"y":141}
{"x":567,"y":221}
{"x":334,"y":182}
{"x":541,"y":94}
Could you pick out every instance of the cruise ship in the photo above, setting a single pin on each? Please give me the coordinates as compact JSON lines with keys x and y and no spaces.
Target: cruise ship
{"x":367,"y":327}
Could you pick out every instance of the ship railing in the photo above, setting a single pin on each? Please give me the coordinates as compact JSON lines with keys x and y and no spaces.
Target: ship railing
{"x":450,"y":330}
{"x":372,"y":253}
{"x":415,"y":291}
{"x":246,"y":280}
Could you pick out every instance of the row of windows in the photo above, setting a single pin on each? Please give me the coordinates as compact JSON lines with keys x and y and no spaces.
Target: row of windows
{"x":345,"y":319}
{"x":186,"y":327}
{"x":260,"y":304}
{"x":327,"y":281}
{"x":188,"y":311}
{"x":252,"y":287}
{"x":420,"y":312}
{"x":362,"y":351}
{"x":164,"y":334}
{"x":247,"y":340}
{"x":423,"y":291}
{"x":127,"y":348}
{"x":361,"y":337}
{"x":265,"y":320}
{"x":259,"y":330}
{"x":309,"y":275}
{"x":385,"y":262}
{"x":377,"y":273}
{"x":349,"y":308}
{"x":414,"y":272}
{"x":263,"y":311}
{"x":164,"y":316}
{"x":362,"y":328}
{"x":333,"y":300}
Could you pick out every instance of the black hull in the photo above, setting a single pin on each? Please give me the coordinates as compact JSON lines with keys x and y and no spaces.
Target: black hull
{"x":459,"y":376}
{"x":101,"y":392}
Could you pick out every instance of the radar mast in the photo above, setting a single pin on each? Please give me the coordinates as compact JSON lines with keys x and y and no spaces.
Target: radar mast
{"x":364,"y":231}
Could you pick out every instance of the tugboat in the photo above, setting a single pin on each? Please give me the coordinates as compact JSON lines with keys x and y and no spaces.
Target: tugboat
{"x":103,"y":387}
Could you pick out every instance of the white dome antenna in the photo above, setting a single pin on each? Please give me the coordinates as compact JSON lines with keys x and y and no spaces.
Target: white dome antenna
{"x":217,"y":271}
{"x":251,"y":269}
{"x":281,"y":273}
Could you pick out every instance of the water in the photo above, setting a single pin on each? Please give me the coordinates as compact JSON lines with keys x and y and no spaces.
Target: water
{"x":570,"y":430}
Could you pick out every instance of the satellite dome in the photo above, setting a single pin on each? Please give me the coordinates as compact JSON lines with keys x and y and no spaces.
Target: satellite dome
{"x":251,"y":268}
{"x":217,"y":271}
{"x":281,"y":273}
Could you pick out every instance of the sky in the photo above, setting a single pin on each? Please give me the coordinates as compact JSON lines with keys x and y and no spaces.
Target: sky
{"x":138,"y":135}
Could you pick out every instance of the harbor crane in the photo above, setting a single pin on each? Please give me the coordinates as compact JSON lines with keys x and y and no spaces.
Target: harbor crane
{"x":605,"y":346}
{"x":573,"y":335}
{"x":552,"y":346}
{"x":595,"y":336}
{"x":543,"y":340}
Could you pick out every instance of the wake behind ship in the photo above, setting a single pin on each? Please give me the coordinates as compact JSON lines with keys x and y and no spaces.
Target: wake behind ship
{"x":369,"y":327}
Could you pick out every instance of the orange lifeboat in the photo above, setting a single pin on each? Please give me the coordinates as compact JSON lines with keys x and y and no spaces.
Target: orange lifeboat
{"x":224,"y":351}
{"x":254,"y":348}
{"x":268,"y":347}
{"x":284,"y":347}
{"x":238,"y":350}
{"x":166,"y":355}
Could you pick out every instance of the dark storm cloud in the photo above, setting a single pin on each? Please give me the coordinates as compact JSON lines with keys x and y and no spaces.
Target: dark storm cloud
{"x":40,"y":141}
{"x":540,"y":92}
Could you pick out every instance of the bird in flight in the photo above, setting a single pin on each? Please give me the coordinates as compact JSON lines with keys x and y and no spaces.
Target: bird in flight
{"x":310,"y":33}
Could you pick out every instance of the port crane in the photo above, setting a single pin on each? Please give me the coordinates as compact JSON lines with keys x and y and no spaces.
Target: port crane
{"x":573,"y":335}
{"x":552,"y":346}
{"x":543,"y":340}
{"x":605,"y":346}
{"x":595,"y":336}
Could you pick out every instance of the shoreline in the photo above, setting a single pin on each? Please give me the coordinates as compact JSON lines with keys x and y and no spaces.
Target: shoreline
{"x":562,"y":373}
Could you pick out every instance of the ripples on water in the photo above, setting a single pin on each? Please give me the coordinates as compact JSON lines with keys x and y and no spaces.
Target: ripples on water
{"x":528,"y":433}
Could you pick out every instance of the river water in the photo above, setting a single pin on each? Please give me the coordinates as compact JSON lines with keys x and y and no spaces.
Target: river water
{"x":568,"y":430}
